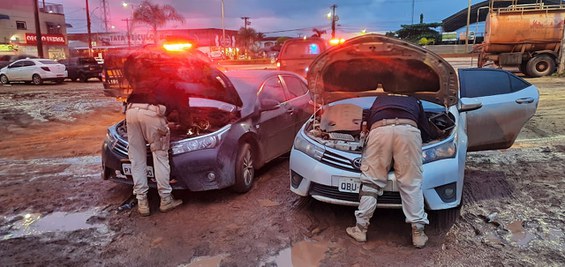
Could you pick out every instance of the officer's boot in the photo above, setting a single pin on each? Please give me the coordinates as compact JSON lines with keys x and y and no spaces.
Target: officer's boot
{"x":419,"y":238}
{"x":168,"y":203}
{"x":143,"y":205}
{"x":360,"y":235}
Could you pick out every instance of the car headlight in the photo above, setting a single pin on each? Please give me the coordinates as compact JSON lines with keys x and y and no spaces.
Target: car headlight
{"x":441,"y":151}
{"x":211,"y":140}
{"x":110,"y":138}
{"x":310,"y":149}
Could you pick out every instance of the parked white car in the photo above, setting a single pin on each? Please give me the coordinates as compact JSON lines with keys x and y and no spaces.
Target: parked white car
{"x":479,"y":109}
{"x":34,"y":70}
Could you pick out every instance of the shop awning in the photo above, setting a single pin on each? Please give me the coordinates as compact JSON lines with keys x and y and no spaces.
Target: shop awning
{"x":2,"y":16}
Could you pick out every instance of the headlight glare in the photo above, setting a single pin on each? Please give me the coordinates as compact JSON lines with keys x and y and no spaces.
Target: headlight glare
{"x":202,"y":142}
{"x":310,"y":149}
{"x":441,"y":151}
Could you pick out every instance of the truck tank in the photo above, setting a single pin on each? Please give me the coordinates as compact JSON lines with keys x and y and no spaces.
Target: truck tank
{"x":522,"y":30}
{"x":527,"y":36}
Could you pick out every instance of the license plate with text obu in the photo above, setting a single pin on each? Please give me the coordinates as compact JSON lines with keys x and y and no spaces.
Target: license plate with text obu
{"x":349,"y":185}
{"x":126,"y":168}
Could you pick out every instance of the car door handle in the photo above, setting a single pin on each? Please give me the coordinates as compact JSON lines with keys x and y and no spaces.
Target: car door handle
{"x":525,"y":100}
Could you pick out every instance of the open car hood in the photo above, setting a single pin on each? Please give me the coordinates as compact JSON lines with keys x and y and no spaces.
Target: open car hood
{"x":374,"y":64}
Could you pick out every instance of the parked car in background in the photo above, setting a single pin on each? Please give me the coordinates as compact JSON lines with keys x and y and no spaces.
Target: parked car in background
{"x":7,"y":59}
{"x":297,"y":54}
{"x":82,"y":68}
{"x":481,"y":109}
{"x":240,"y":121}
{"x":34,"y":70}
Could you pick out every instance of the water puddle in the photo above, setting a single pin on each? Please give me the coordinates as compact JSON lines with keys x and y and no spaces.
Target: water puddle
{"x":303,"y":253}
{"x":519,"y":234}
{"x":206,"y":261}
{"x":32,"y":224}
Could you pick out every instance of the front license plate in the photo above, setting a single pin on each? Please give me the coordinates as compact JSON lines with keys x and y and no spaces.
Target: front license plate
{"x":126,"y":168}
{"x":349,"y":185}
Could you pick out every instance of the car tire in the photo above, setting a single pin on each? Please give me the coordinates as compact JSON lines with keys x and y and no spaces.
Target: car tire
{"x":244,"y":169}
{"x":4,"y":79}
{"x":443,"y":219}
{"x":83,"y":78}
{"x":540,"y":65}
{"x":36,"y":79}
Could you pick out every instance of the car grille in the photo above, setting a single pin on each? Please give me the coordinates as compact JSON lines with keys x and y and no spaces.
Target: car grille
{"x":333,"y":192}
{"x":121,"y":147}
{"x":338,"y":161}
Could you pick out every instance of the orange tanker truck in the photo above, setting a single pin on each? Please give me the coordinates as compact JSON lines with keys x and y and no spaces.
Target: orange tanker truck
{"x":527,"y":36}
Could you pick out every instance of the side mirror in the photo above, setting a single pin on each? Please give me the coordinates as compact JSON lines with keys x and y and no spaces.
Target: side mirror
{"x":469,"y":104}
{"x":269,"y":104}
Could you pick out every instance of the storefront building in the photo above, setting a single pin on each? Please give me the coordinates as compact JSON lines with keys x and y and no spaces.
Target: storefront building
{"x":18,"y":32}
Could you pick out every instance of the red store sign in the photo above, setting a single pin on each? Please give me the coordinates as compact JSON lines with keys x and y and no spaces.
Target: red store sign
{"x":31,"y":38}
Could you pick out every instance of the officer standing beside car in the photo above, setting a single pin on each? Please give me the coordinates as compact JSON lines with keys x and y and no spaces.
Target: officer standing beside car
{"x":154,"y":96}
{"x":397,"y":126}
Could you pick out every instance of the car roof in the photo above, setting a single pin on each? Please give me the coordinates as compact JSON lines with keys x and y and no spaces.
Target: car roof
{"x":248,"y":82}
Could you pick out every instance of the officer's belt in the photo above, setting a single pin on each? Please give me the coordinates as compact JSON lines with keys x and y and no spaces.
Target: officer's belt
{"x":396,"y":121}
{"x":151,"y":107}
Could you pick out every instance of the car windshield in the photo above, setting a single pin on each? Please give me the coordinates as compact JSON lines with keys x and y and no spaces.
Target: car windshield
{"x":88,"y":60}
{"x":48,"y":62}
{"x":302,"y":49}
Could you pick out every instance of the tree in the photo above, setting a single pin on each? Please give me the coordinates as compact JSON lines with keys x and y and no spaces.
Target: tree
{"x":155,"y":15}
{"x":247,"y":36}
{"x":317,"y":32}
{"x":260,"y":36}
{"x":415,"y":32}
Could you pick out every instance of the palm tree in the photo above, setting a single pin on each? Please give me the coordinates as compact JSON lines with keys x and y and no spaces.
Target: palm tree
{"x":317,"y":32}
{"x":155,"y":15}
{"x":248,"y":36}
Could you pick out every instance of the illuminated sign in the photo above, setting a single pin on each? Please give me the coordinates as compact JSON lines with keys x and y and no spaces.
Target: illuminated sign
{"x":6,"y":48}
{"x":31,"y":38}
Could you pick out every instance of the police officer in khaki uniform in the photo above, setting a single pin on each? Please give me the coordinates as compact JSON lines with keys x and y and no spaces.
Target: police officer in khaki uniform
{"x":153,"y":97}
{"x":394,"y":140}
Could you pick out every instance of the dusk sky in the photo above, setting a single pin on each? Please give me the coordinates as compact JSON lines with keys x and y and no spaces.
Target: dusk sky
{"x":276,"y":18}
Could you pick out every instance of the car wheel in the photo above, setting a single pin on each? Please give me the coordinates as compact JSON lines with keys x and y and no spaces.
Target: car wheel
{"x":4,"y":79}
{"x":36,"y":79}
{"x":444,"y":219}
{"x":83,"y":78}
{"x":244,"y":169}
{"x":541,"y":65}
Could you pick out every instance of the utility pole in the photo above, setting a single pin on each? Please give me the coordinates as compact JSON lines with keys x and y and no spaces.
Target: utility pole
{"x":467,"y":30}
{"x":334,"y":19}
{"x":38,"y":29}
{"x":223,"y":27}
{"x":246,"y":22}
{"x":128,"y":31}
{"x":561,"y":66}
{"x":412,"y":12}
{"x":88,"y":29}
{"x":106,"y":11}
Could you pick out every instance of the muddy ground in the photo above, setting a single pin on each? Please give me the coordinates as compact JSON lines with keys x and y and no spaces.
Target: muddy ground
{"x":56,"y":210}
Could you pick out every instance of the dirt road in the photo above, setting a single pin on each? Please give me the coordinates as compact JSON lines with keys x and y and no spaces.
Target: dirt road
{"x":56,"y":211}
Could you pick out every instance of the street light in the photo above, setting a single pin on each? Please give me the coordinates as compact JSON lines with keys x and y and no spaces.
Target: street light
{"x":126,"y":5}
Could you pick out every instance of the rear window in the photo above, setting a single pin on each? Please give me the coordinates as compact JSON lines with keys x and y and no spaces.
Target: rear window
{"x":301,"y":49}
{"x":87,"y":60}
{"x":48,"y":62}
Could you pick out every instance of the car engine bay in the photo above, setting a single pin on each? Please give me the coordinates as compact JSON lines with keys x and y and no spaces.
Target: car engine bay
{"x":344,"y":126}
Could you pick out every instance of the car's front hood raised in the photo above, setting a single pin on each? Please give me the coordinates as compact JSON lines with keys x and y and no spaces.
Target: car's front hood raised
{"x":374,"y":64}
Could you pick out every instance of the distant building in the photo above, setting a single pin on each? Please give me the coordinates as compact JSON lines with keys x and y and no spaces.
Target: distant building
{"x":18,"y":33}
{"x":208,"y":39}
